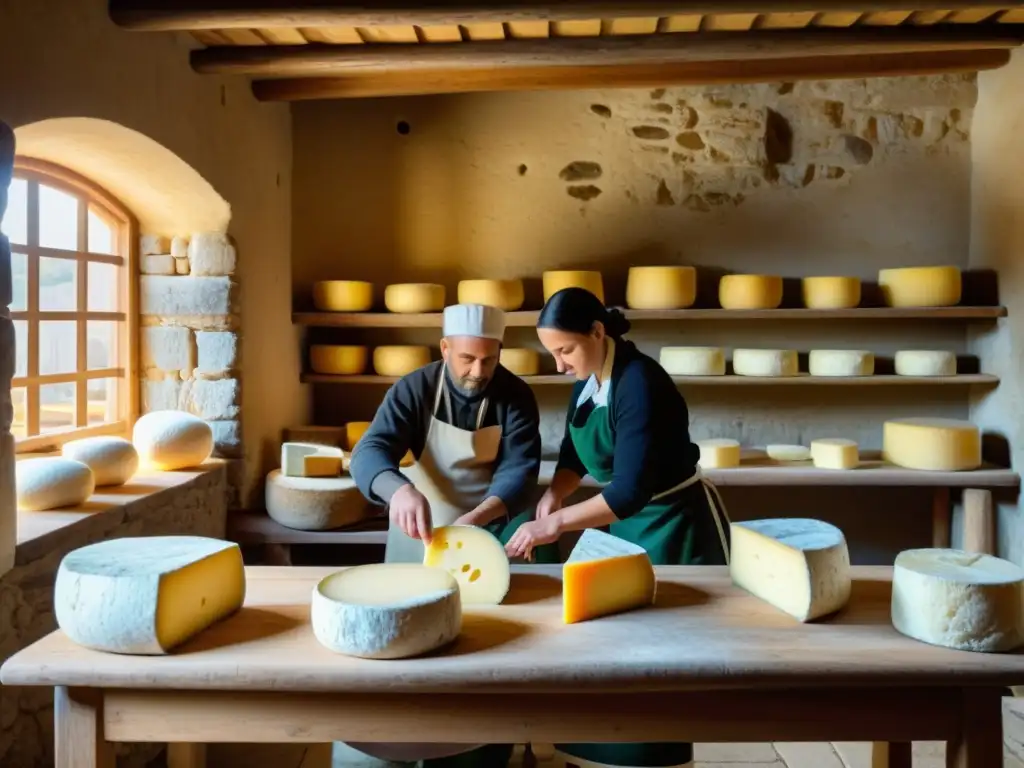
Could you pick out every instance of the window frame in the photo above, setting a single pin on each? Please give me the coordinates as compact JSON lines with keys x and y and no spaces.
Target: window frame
{"x":126,"y":233}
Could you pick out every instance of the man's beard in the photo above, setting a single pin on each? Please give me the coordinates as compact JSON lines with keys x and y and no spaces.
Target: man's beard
{"x":471,"y":384}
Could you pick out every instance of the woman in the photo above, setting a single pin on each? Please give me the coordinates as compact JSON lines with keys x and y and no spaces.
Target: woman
{"x":628,"y":428}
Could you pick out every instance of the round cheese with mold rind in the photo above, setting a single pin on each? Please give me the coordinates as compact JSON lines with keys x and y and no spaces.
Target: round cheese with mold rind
{"x":719,"y":453}
{"x":170,"y":440}
{"x":940,"y":445}
{"x":840,"y":362}
{"x":314,"y":503}
{"x":829,"y":292}
{"x":765,"y":362}
{"x":955,"y":599}
{"x":399,"y":360}
{"x":342,"y":295}
{"x":925,"y":362}
{"x":556,"y":280}
{"x":410,"y":298}
{"x":503,"y":294}
{"x":521,"y":361}
{"x":693,"y":361}
{"x":338,"y":359}
{"x":113,"y":460}
{"x":386,"y":610}
{"x":661,"y":287}
{"x":51,"y":483}
{"x":920,"y":286}
{"x":835,"y":453}
{"x":750,"y":291}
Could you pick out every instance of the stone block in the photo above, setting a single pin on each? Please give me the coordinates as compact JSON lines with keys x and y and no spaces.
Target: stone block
{"x":6,"y":284}
{"x":185,"y":296}
{"x":227,"y":439}
{"x":214,"y":399}
{"x":181,"y":266}
{"x":157,"y":265}
{"x":211,"y":253}
{"x":179,"y":247}
{"x":218,"y":352}
{"x":163,"y":395}
{"x":167,"y":348}
{"x":151,"y":245}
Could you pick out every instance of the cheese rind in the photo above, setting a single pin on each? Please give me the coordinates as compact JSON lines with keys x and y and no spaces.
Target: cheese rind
{"x":840,"y":362}
{"x":314,"y":503}
{"x":604,"y":575}
{"x":661,"y":287}
{"x":386,"y":610}
{"x":920,"y":286}
{"x":956,"y":599}
{"x":925,"y":362}
{"x":338,"y":359}
{"x":765,"y":362}
{"x":475,"y":559}
{"x":834,"y":453}
{"x":798,"y":565}
{"x":831,"y":292}
{"x":555,"y":280}
{"x":941,"y":445}
{"x":503,"y":294}
{"x":399,"y":360}
{"x":719,"y":453}
{"x":750,"y":291}
{"x":147,"y":595}
{"x":693,"y":361}
{"x":784,"y":452}
{"x":414,"y":297}
{"x":51,"y":483}
{"x":343,"y":295}
{"x":310,"y":460}
{"x":521,"y":361}
{"x":170,"y":440}
{"x":113,"y":460}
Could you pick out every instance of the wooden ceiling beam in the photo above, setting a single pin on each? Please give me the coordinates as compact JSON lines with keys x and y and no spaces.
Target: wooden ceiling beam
{"x":193,"y":15}
{"x":363,"y":85}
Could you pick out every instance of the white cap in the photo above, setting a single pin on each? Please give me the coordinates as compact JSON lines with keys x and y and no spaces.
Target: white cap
{"x":474,"y":320}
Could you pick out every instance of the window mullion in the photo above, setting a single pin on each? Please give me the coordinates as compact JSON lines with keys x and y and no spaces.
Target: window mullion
{"x":82,"y":306}
{"x":32,"y":405}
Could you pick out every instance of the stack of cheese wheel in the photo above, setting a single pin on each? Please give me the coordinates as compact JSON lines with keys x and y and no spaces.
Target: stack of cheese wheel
{"x":831,"y":292}
{"x":337,"y":359}
{"x":693,"y":361}
{"x":834,"y":453}
{"x":314,"y":503}
{"x":925,"y":362}
{"x":503,"y":294}
{"x":840,"y":362}
{"x":556,"y":280}
{"x":765,"y":362}
{"x":521,"y":361}
{"x":920,"y":286}
{"x":342,"y":295}
{"x":661,"y":287}
{"x":719,"y":453}
{"x":399,"y":360}
{"x":750,"y":292}
{"x":411,"y":298}
{"x":939,"y":445}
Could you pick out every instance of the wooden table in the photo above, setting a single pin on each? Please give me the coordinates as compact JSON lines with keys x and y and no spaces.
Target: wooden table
{"x":706,"y":663}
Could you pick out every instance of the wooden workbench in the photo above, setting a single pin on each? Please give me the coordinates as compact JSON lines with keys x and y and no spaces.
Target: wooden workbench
{"x":706,"y":663}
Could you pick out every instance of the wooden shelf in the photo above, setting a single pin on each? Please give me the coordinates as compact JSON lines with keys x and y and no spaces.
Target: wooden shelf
{"x":256,"y":527}
{"x":528,"y":318}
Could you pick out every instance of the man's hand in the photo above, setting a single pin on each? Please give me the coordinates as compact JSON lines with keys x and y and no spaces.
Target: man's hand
{"x":549,"y":503}
{"x":410,"y":511}
{"x":533,"y":534}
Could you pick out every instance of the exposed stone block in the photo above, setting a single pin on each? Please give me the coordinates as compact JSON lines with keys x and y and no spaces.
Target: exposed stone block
{"x":179,"y":247}
{"x":214,"y":399}
{"x":181,"y":266}
{"x":162,"y":395}
{"x":186,"y":296}
{"x":227,"y":439}
{"x":167,"y":348}
{"x":157,"y":265}
{"x":150,"y":245}
{"x":211,"y":253}
{"x":218,"y":352}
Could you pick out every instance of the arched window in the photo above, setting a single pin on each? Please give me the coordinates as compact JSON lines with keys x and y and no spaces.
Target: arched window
{"x":74,"y":307}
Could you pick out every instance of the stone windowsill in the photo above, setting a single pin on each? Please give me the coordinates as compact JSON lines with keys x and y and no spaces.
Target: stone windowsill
{"x":42,"y":532}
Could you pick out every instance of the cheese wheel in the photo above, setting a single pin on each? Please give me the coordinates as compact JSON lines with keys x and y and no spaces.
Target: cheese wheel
{"x":147,"y":595}
{"x":834,"y":453}
{"x":556,"y":280}
{"x":410,"y":298}
{"x":840,"y":362}
{"x":52,"y":482}
{"x":750,"y":291}
{"x":967,"y":601}
{"x":920,"y":286}
{"x":765,"y":362}
{"x":661,"y":287}
{"x":941,"y":445}
{"x":719,"y":453}
{"x":113,"y":460}
{"x":831,"y":292}
{"x":337,"y":359}
{"x":475,"y":559}
{"x":693,"y":361}
{"x":604,"y":575}
{"x":925,"y":362}
{"x":400,"y":360}
{"x":342,"y":295}
{"x":386,"y":610}
{"x":503,"y":294}
{"x":783,"y":452}
{"x":798,"y":565}
{"x":170,"y":440}
{"x":354,"y":431}
{"x":521,"y":361}
{"x":314,"y":503}
{"x":311,"y":460}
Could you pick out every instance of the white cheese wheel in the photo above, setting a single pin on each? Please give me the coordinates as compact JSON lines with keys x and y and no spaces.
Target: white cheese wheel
{"x":750,"y":291}
{"x":521,"y":361}
{"x":941,"y":445}
{"x":920,"y":286}
{"x":693,"y":361}
{"x":840,"y":362}
{"x":475,"y":558}
{"x":661,"y":287}
{"x":414,"y":297}
{"x":765,"y":362}
{"x":719,"y":453}
{"x":147,"y":595}
{"x":925,"y":362}
{"x":834,"y":453}
{"x":113,"y":460}
{"x":169,"y":440}
{"x":967,"y":601}
{"x":831,"y":292}
{"x":604,"y":575}
{"x":311,"y":460}
{"x":503,"y":294}
{"x":784,"y":452}
{"x":343,"y":295}
{"x":314,"y":503}
{"x":798,"y":565}
{"x":555,"y":280}
{"x":399,"y":360}
{"x":338,"y":359}
{"x":386,"y":610}
{"x":52,"y":482}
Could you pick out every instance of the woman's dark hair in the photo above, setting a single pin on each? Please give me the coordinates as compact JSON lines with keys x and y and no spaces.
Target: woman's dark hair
{"x":575,"y":310}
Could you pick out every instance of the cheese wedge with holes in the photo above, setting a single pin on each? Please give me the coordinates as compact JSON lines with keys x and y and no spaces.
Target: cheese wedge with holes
{"x":765,"y":362}
{"x":693,"y":361}
{"x":475,"y":558}
{"x":503,"y":294}
{"x":310,"y":460}
{"x":840,"y":362}
{"x":147,"y":595}
{"x":962,"y":600}
{"x":750,"y":291}
{"x":920,"y":286}
{"x":798,"y":565}
{"x":719,"y":453}
{"x":834,"y":453}
{"x":831,"y":292}
{"x":386,"y":610}
{"x":661,"y":287}
{"x":939,"y":445}
{"x":555,"y":280}
{"x":925,"y":362}
{"x":604,"y":575}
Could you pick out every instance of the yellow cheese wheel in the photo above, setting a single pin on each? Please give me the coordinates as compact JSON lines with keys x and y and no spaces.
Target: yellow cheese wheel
{"x":719,"y":453}
{"x":831,"y":292}
{"x":343,"y":295}
{"x":521,"y":361}
{"x":354,"y":431}
{"x":920,"y":286}
{"x":942,"y":445}
{"x":661,"y":287}
{"x":750,"y":291}
{"x":409,"y":298}
{"x":399,"y":360}
{"x":503,"y":294}
{"x":556,"y":280}
{"x":337,"y":359}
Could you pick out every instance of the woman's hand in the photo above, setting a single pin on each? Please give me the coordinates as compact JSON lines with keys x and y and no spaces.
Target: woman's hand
{"x":549,"y":503}
{"x":533,"y":534}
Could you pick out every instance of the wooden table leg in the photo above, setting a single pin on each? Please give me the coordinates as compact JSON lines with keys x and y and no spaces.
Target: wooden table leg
{"x":979,"y":522}
{"x":980,"y":744}
{"x":181,"y":754}
{"x":891,"y":754}
{"x":78,"y":729}
{"x":941,"y":518}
